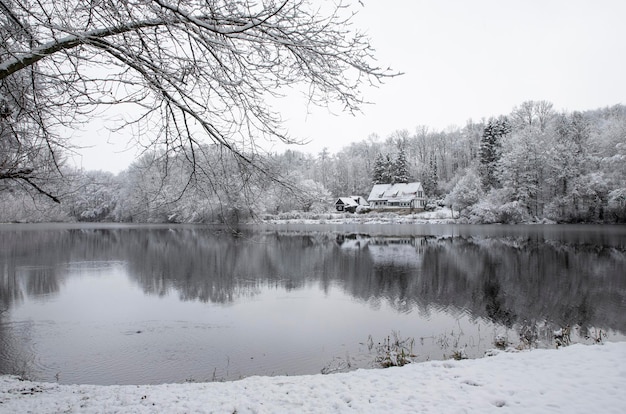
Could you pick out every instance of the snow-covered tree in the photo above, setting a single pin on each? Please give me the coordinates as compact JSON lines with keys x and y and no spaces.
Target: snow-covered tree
{"x":94,"y":197}
{"x":566,"y":161}
{"x":497,"y":207}
{"x":380,"y":174}
{"x":353,"y":169}
{"x":312,"y":195}
{"x":30,"y":154}
{"x":532,"y":114}
{"x":388,"y":171}
{"x":186,"y":72}
{"x":522,"y":168}
{"x":617,"y":205}
{"x":467,"y":191}
{"x":607,"y":144}
{"x":323,"y":171}
{"x":430,"y":177}
{"x":491,"y":150}
{"x":401,"y":168}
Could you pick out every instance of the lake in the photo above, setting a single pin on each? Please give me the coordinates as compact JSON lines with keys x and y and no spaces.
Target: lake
{"x":149,"y":304}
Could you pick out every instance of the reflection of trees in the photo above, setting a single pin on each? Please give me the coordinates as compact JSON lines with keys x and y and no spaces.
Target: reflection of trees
{"x":25,"y":264}
{"x":494,"y":303}
{"x":9,"y":290}
{"x":505,"y":280}
{"x":502,"y":279}
{"x":531,"y":280}
{"x":199,"y":263}
{"x":217,"y":267}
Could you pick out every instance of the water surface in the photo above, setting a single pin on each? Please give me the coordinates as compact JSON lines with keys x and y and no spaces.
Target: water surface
{"x":152,"y":304}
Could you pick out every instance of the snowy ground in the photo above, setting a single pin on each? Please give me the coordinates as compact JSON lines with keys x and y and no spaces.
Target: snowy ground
{"x":440,"y":216}
{"x":574,"y":379}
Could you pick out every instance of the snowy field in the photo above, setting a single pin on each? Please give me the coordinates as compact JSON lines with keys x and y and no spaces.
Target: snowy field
{"x":575,"y":379}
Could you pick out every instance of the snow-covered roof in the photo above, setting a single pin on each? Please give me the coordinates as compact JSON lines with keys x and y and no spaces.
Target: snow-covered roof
{"x":396,"y":192}
{"x":352,"y":201}
{"x":360,"y":200}
{"x":347,"y":201}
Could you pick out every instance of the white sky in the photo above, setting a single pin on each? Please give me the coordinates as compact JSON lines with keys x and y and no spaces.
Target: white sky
{"x":461,"y":59}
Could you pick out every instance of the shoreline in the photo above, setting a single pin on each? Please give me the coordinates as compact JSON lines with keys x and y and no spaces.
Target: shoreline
{"x":576,"y":378}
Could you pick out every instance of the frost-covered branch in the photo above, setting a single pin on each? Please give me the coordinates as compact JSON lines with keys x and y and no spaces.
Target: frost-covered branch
{"x":196,"y":71}
{"x":34,"y":55}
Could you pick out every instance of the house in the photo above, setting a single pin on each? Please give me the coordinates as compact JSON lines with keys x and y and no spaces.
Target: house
{"x":349,"y":203}
{"x":400,"y":195}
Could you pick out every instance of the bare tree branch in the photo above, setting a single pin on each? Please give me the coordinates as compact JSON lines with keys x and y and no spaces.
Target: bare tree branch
{"x":196,"y":70}
{"x":33,"y":56}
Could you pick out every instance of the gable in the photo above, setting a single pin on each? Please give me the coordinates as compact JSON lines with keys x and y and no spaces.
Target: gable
{"x":346,"y":201}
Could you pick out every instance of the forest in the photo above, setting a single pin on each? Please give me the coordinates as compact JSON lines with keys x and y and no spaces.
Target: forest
{"x":531,"y":165}
{"x":201,"y":78}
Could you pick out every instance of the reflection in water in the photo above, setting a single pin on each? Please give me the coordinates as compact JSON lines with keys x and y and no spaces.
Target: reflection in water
{"x":506,"y":280}
{"x":509,"y":282}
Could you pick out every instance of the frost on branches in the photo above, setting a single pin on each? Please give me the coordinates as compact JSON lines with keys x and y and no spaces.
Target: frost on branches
{"x":194,"y":72}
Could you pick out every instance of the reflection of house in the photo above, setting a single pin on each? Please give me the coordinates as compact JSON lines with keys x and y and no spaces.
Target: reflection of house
{"x":401,"y":195}
{"x":398,"y":251}
{"x":350,"y":203}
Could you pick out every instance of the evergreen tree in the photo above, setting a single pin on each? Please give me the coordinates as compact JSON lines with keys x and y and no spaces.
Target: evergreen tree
{"x":431,"y":177}
{"x":379,"y":170}
{"x":387,"y":177}
{"x":401,"y":169}
{"x":490,"y":150}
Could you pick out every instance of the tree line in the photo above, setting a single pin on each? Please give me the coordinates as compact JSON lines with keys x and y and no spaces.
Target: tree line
{"x":200,"y":75}
{"x":532,"y":164}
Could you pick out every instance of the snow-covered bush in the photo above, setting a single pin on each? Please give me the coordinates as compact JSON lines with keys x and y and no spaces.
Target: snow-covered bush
{"x":431,"y":205}
{"x":512,"y":212}
{"x":467,"y":191}
{"x":483,"y":212}
{"x":497,"y":207}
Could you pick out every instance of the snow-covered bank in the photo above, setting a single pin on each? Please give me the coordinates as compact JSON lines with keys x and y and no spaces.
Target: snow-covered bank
{"x":574,"y":379}
{"x":440,"y":216}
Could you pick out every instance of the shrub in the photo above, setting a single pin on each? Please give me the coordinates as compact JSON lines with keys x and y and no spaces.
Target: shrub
{"x":394,"y":353}
{"x":562,"y":336}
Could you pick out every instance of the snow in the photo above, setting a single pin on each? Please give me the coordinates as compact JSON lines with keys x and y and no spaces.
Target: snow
{"x":573,"y":379}
{"x":440,"y":216}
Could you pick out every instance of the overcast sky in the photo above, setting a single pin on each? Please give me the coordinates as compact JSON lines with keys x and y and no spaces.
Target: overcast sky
{"x":461,"y":59}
